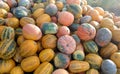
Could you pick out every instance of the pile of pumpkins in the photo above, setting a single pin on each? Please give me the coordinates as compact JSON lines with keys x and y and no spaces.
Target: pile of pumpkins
{"x":58,"y":37}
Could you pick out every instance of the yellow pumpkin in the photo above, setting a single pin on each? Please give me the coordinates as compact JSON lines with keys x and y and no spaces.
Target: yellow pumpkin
{"x":17,"y":70}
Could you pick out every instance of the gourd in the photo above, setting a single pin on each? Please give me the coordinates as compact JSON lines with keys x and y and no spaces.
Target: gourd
{"x":20,"y":40}
{"x":17,"y":70}
{"x":74,"y":2}
{"x":25,"y":3}
{"x":85,"y":19}
{"x":60,"y":71}
{"x":92,"y":71}
{"x":3,"y":12}
{"x":4,"y":5}
{"x":74,"y":27}
{"x":38,"y":12}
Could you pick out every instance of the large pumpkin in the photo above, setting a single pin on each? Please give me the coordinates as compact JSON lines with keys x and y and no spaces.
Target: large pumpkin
{"x":86,"y":32}
{"x":103,"y":37}
{"x":65,"y":18}
{"x":66,"y":44}
{"x":49,"y":41}
{"x":32,"y":32}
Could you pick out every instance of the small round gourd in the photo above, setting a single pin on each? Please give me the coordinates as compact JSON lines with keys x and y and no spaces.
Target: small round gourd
{"x":28,"y":48}
{"x":46,"y":55}
{"x":103,"y":37}
{"x":44,"y":68}
{"x":60,"y":71}
{"x":65,"y":18}
{"x":31,"y":63}
{"x":108,"y":67}
{"x":59,"y":5}
{"x":66,"y":44}
{"x":3,"y":12}
{"x":100,"y":10}
{"x":94,"y":60}
{"x":6,"y":66}
{"x":17,"y":70}
{"x":20,"y":40}
{"x":32,"y":32}
{"x":95,"y":24}
{"x":74,"y":27}
{"x":25,"y":3}
{"x":86,"y":32}
{"x":18,"y":31}
{"x":85,"y":19}
{"x":4,"y":5}
{"x":61,"y":60}
{"x":49,"y":28}
{"x":92,"y":71}
{"x":49,"y":41}
{"x":51,"y":9}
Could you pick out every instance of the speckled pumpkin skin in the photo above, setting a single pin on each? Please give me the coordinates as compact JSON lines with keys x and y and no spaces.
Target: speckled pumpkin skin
{"x":61,"y":60}
{"x":66,"y":44}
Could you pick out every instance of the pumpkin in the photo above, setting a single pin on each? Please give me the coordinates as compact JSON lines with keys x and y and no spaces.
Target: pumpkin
{"x":12,"y":3}
{"x":44,"y":68}
{"x":78,"y":55}
{"x":49,"y":41}
{"x":46,"y":55}
{"x":86,"y":32}
{"x":7,"y":33}
{"x":42,"y":19}
{"x":73,"y":2}
{"x":63,"y":30}
{"x":12,"y":22}
{"x":61,"y":60}
{"x":90,"y":46}
{"x":103,"y":37}
{"x":7,"y":49}
{"x":49,"y":28}
{"x":17,"y":70}
{"x":4,"y":5}
{"x":65,"y":18}
{"x":75,"y":9}
{"x":84,"y":9}
{"x":32,"y":32}
{"x":94,"y":60}
{"x":2,"y":21}
{"x":28,"y":48}
{"x":92,"y":71}
{"x":20,"y":40}
{"x":18,"y":31}
{"x":107,"y":23}
{"x":116,"y":35}
{"x":108,"y":67}
{"x":59,"y":5}
{"x":60,"y":71}
{"x":108,"y":50}
{"x":100,"y":10}
{"x":115,"y":57}
{"x":74,"y":27}
{"x":38,"y":12}
{"x":66,"y":44}
{"x":95,"y":24}
{"x":25,"y":3}
{"x":37,"y":6}
{"x":20,"y":12}
{"x":78,"y":66}
{"x":26,"y":20}
{"x":85,"y":19}
{"x":29,"y":64}
{"x":3,"y":12}
{"x":6,"y":66}
{"x":76,"y":38}
{"x":51,"y":9}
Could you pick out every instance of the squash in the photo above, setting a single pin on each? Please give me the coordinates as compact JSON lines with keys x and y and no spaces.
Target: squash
{"x":65,"y":18}
{"x":2,"y":21}
{"x":32,"y":32}
{"x":7,"y":49}
{"x":74,"y":27}
{"x":39,"y":46}
{"x":108,"y":50}
{"x":49,"y":41}
{"x":94,"y":60}
{"x":7,"y":33}
{"x":25,"y":3}
{"x":59,"y":5}
{"x":75,"y":9}
{"x":4,"y":5}
{"x":85,"y":19}
{"x":60,"y":71}
{"x":79,"y":47}
{"x":92,"y":71}
{"x":29,"y":64}
{"x":115,"y":57}
{"x":73,"y":2}
{"x":20,"y":40}
{"x":6,"y":66}
{"x":100,"y":10}
{"x":95,"y":24}
{"x":76,"y":38}
{"x":49,"y":28}
{"x":103,"y":37}
{"x":37,"y":6}
{"x":61,"y":60}
{"x":28,"y":48}
{"x":63,"y":30}
{"x":78,"y":66}
{"x":44,"y":68}
{"x":86,"y":31}
{"x":108,"y":67}
{"x":42,"y":19}
{"x":116,"y":35}
{"x":90,"y":46}
{"x":3,"y":13}
{"x":46,"y":55}
{"x":26,"y":20}
{"x":12,"y":22}
{"x":18,"y":31}
{"x":17,"y":70}
{"x":38,"y":12}
{"x":12,"y":3}
{"x":51,"y":9}
{"x":66,"y":44}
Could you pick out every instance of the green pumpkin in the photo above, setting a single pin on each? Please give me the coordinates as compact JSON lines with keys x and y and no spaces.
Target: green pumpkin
{"x":75,"y":9}
{"x":7,"y":49}
{"x":90,"y":46}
